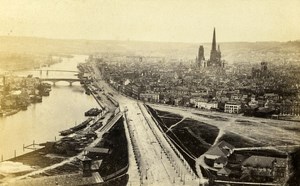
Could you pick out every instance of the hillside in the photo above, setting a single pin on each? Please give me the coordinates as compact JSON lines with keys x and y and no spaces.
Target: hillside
{"x":252,"y":52}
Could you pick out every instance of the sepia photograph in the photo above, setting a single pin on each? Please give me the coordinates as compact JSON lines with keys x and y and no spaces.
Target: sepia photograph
{"x":149,"y":92}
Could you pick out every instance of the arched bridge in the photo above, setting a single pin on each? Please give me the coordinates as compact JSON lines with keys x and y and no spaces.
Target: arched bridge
{"x":51,"y":70}
{"x":54,"y":80}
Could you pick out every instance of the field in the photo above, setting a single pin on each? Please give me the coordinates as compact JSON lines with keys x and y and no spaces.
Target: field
{"x":192,"y":138}
{"x":217,"y":118}
{"x":197,"y":130}
{"x":251,"y":130}
{"x":239,"y":141}
{"x":202,"y":132}
{"x":168,"y":119}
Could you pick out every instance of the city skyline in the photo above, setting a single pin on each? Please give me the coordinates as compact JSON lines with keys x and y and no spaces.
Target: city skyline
{"x":164,"y":21}
{"x":148,"y":92}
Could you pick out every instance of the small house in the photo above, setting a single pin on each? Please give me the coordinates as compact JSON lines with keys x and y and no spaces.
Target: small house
{"x":219,"y":154}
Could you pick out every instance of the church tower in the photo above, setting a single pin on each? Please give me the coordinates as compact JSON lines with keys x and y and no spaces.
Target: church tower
{"x":200,"y":57}
{"x":215,"y":55}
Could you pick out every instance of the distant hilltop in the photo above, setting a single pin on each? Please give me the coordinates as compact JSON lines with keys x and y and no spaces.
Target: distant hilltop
{"x":231,"y":51}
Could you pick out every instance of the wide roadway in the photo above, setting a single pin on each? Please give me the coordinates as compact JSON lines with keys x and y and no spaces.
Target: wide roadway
{"x":157,"y":168}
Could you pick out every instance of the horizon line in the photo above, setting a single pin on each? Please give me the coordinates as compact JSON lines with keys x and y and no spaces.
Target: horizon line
{"x":148,"y":41}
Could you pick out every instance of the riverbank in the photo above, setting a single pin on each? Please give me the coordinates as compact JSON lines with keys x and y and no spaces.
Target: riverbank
{"x":41,"y":160}
{"x":42,"y":121}
{"x":13,"y":101}
{"x":47,"y":167}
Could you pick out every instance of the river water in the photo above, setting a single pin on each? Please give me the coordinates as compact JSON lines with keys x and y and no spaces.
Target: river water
{"x":41,"y":122}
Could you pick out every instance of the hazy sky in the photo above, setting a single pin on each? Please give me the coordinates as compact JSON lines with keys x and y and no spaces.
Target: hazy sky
{"x":153,"y":20}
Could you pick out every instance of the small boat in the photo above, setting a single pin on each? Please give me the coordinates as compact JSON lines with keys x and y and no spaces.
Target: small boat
{"x":92,"y":112}
{"x":66,"y":132}
{"x":76,"y":128}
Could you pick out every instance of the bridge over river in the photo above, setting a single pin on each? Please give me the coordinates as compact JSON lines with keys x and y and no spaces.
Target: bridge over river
{"x":55,"y":80}
{"x":48,"y":70}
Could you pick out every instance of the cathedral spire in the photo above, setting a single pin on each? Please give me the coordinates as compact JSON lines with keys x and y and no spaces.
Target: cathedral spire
{"x":214,"y":45}
{"x":215,"y":55}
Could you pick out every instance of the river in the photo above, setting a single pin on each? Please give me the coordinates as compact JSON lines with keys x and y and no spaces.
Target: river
{"x":41,"y":122}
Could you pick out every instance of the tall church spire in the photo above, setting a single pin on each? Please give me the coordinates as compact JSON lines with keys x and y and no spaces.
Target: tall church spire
{"x":214,"y":45}
{"x":215,"y":55}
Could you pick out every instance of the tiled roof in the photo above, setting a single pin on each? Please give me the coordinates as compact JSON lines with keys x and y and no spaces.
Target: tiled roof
{"x":263,"y":161}
{"x":220,"y":149}
{"x":217,"y":151}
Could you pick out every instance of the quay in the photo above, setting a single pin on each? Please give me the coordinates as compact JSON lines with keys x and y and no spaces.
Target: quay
{"x":39,"y":157}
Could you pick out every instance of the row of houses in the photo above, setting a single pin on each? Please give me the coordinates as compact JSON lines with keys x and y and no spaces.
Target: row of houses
{"x":235,"y":102}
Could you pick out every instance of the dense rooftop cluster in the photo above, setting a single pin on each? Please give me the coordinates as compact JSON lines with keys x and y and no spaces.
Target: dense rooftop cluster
{"x":262,"y":91}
